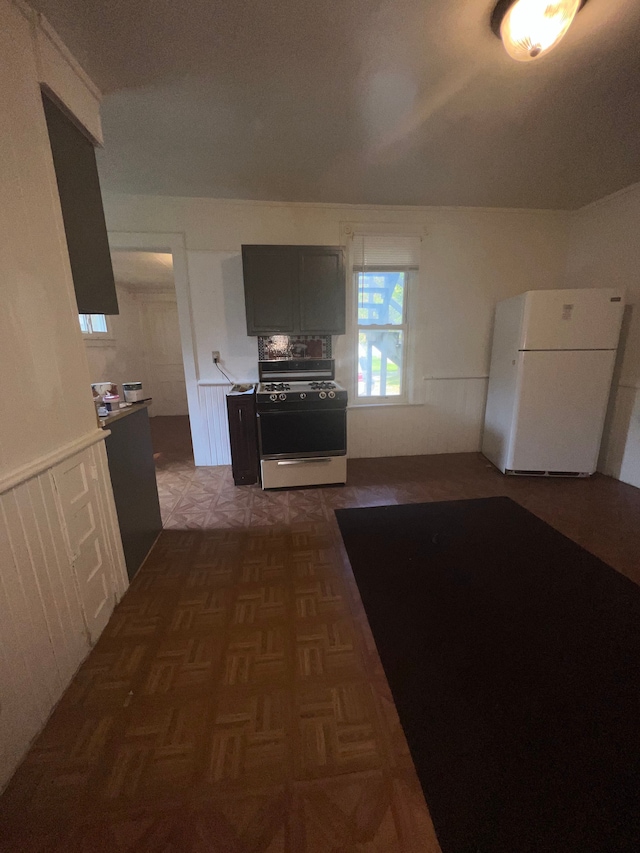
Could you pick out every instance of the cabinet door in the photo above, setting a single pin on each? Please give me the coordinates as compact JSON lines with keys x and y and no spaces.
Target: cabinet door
{"x":322,"y":290}
{"x":135,"y":490}
{"x":270,"y":289}
{"x":241,"y":410}
{"x":74,"y":160}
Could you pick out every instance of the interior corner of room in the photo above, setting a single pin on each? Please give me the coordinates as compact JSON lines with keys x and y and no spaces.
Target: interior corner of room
{"x":263,"y":265}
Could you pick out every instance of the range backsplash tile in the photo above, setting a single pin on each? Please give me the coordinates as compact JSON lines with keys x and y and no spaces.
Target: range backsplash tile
{"x":293,"y":346}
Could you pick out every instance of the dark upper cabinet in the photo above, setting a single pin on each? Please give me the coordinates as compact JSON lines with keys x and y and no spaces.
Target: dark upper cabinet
{"x":321,"y":290}
{"x":270,"y":287}
{"x":294,"y":289}
{"x":74,"y":159}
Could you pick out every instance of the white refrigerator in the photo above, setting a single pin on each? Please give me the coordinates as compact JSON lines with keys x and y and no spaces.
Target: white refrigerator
{"x":551,"y":367}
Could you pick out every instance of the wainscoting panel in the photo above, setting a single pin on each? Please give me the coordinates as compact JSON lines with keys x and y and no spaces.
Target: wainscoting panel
{"x":449,"y":421}
{"x":58,"y":545}
{"x":213,"y":407}
{"x":65,"y":618}
{"x":84,"y":535}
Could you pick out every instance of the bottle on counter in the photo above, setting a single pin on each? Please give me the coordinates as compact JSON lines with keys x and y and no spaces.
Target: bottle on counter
{"x":112,"y":402}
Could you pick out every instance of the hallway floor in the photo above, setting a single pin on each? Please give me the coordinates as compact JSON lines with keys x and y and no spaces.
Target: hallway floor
{"x":235,"y":701}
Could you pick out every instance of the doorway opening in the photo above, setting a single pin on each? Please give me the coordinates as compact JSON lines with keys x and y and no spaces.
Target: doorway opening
{"x":146,"y":286}
{"x":143,"y":344}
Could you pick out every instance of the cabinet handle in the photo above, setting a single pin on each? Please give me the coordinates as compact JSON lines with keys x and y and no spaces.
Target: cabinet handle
{"x":240,"y":415}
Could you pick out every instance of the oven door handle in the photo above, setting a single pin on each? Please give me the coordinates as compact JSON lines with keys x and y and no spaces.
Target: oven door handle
{"x":305,"y":461}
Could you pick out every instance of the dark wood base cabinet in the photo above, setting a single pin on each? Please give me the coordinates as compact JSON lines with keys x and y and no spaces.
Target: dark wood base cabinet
{"x":243,"y":433}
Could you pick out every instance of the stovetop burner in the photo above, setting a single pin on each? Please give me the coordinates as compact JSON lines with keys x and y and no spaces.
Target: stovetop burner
{"x":277,"y":386}
{"x":300,"y":394}
{"x":298,"y":385}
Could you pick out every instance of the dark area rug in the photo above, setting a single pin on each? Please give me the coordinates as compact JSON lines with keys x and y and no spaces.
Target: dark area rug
{"x":514,"y":660}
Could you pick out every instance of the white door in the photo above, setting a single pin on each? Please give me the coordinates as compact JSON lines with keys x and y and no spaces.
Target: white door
{"x":572,"y":319}
{"x":561,"y":405}
{"x":163,"y":354}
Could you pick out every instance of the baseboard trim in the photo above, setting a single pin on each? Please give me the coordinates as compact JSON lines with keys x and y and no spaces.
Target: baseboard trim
{"x":43,"y":463}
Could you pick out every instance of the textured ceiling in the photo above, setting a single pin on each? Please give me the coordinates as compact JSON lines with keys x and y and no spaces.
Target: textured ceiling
{"x":388,"y":102}
{"x":143,"y":269}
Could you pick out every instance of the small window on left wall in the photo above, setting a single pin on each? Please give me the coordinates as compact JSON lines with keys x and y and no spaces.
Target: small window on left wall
{"x":94,"y":325}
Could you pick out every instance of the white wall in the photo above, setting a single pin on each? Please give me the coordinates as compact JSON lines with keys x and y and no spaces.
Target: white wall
{"x":604,"y":251}
{"x":40,"y":343}
{"x":144,"y":346}
{"x":471,"y":258}
{"x":120,"y":359}
{"x":61,"y":562}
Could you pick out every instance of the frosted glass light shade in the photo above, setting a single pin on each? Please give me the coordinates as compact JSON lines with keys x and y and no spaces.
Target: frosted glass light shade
{"x":532,"y":28}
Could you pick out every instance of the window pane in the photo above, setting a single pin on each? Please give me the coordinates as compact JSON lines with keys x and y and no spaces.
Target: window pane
{"x":84,"y":325}
{"x":380,"y":363}
{"x":381,"y":298}
{"x":98,"y":323}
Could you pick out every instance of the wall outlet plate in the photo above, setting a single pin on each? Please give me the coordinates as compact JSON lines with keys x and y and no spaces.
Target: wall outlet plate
{"x":215,"y":355}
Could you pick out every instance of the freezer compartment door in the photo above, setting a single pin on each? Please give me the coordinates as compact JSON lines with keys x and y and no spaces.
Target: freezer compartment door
{"x":561,"y":402}
{"x":572,"y":319}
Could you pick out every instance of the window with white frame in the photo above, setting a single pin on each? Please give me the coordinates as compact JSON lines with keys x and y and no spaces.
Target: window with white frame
{"x":385,"y":268}
{"x":94,"y":324}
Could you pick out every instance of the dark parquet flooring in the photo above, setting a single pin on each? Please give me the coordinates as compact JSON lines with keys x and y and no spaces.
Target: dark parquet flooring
{"x":236,"y":702}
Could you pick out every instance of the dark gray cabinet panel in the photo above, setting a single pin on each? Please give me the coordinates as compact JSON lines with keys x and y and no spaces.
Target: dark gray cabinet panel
{"x":294,"y":289}
{"x":270,"y":288}
{"x":322,"y":290}
{"x":74,"y":159}
{"x":135,"y":491}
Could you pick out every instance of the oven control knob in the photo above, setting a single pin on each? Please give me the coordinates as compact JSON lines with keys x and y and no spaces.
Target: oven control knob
{"x":283,"y":396}
{"x":273,"y":397}
{"x":332,"y":394}
{"x":303,"y":396}
{"x":322,"y":395}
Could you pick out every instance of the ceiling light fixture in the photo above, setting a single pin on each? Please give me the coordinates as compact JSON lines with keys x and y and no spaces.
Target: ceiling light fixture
{"x":531,"y":28}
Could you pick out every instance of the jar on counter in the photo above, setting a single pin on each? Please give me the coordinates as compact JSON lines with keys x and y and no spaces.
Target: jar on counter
{"x":132,"y":392}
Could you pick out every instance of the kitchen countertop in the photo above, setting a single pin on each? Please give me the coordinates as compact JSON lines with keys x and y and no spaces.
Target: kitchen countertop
{"x":245,"y":388}
{"x":106,"y":421}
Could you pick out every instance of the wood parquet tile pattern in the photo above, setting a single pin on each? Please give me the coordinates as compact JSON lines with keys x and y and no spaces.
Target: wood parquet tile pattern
{"x":236,"y":702}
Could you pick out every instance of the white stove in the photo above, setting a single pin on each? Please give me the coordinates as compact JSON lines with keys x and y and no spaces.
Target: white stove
{"x":302,"y":424}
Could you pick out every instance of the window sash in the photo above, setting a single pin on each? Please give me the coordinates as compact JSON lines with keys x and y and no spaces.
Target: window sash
{"x":87,"y":325}
{"x":391,"y":327}
{"x":387,"y":397}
